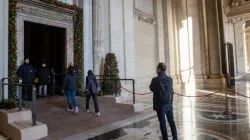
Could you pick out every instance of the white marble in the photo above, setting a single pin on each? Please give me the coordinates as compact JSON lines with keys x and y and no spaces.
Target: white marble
{"x":50,"y":18}
{"x":88,"y":43}
{"x":4,"y":4}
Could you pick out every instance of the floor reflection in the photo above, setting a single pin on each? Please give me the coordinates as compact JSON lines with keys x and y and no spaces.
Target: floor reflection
{"x":197,"y":119}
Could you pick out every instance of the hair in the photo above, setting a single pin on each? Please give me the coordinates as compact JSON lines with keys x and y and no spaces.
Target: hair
{"x":90,"y":73}
{"x":71,"y":70}
{"x":161,"y":66}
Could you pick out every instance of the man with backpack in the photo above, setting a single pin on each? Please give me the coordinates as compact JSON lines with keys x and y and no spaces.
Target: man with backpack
{"x":162,"y":87}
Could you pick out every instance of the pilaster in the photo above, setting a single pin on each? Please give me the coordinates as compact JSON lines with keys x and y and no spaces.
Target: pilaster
{"x":4,"y":22}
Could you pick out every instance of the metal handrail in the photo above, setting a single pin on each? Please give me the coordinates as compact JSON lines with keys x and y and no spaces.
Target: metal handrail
{"x":20,"y":100}
{"x":125,"y":80}
{"x":3,"y":79}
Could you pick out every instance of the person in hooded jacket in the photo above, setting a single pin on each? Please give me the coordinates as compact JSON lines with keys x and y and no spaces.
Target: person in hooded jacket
{"x":92,"y":90}
{"x":70,"y":87}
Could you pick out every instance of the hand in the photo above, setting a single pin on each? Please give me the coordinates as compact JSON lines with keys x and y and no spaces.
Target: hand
{"x":62,"y":91}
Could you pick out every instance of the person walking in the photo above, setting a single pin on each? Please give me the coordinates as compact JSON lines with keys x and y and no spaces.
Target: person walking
{"x":53,"y":75}
{"x":92,"y":90}
{"x":44,"y":76}
{"x":27,"y":74}
{"x":162,"y":88}
{"x":70,"y":86}
{"x":75,"y":70}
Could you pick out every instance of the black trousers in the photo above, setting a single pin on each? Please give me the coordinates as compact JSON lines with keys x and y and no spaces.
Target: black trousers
{"x":27,"y":92}
{"x":167,"y":112}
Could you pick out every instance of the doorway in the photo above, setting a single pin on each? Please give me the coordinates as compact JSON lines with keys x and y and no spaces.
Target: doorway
{"x":46,"y":44}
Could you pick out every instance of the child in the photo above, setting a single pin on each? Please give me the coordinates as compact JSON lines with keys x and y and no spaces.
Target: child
{"x":70,"y":86}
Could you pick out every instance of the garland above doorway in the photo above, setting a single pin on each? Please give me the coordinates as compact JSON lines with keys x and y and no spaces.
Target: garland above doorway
{"x":78,"y":40}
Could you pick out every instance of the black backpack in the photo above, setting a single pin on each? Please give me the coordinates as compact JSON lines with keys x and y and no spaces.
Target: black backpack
{"x":166,"y":90}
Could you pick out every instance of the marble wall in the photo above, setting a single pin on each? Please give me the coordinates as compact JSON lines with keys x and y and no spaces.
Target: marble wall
{"x":4,"y":4}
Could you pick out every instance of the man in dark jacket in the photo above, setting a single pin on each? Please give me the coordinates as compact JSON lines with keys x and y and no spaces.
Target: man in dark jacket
{"x":162,"y":87}
{"x":44,"y":76}
{"x":27,"y":74}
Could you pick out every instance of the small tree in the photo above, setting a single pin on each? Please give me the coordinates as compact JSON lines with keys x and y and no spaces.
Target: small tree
{"x":111,"y":72}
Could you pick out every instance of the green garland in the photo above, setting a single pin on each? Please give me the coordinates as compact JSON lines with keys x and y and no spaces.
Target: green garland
{"x":12,"y":46}
{"x":78,"y":40}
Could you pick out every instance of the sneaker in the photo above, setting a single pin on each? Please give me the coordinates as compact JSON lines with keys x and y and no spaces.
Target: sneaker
{"x":69,"y":110}
{"x":87,"y":111}
{"x":98,"y":114}
{"x":76,"y":110}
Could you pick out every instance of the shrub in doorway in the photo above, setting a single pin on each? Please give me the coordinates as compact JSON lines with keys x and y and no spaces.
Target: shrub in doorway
{"x":111,"y":72}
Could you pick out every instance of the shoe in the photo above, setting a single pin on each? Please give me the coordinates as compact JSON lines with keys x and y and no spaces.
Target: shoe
{"x":98,"y":114}
{"x":76,"y":110}
{"x":69,"y":110}
{"x":87,"y":111}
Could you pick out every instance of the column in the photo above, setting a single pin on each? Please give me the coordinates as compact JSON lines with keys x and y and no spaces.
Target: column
{"x":213,"y":38}
{"x":98,"y":35}
{"x":87,"y":34}
{"x":4,"y":17}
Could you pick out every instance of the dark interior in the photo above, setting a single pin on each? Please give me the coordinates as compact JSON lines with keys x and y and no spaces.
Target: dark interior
{"x":45,"y":44}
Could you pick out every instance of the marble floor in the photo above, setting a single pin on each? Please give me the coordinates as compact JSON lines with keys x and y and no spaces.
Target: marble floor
{"x":196,"y":118}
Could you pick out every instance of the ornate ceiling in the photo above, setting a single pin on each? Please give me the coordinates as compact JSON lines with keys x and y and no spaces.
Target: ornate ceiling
{"x":236,"y":7}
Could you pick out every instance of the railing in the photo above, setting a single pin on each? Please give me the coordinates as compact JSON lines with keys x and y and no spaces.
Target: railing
{"x":20,"y":98}
{"x":3,"y":79}
{"x":120,"y":87}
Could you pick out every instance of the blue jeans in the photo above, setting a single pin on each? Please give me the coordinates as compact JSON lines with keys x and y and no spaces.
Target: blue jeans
{"x":95,"y":102}
{"x":167,"y":111}
{"x":71,"y":95}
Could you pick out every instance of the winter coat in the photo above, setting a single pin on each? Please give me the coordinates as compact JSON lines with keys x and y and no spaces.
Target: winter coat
{"x":43,"y":76}
{"x":91,"y":84}
{"x":26,"y":73}
{"x":70,"y":82}
{"x":162,"y":88}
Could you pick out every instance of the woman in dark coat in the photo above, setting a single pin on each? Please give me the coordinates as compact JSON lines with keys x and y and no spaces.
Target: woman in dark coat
{"x":44,"y":76}
{"x":91,"y":90}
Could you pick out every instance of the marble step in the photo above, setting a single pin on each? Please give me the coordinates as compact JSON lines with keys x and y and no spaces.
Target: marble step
{"x":11,"y":115}
{"x":24,"y":130}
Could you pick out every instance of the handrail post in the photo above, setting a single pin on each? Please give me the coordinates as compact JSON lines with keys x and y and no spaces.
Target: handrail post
{"x":33,"y":109}
{"x":2,"y":89}
{"x":133,"y":91}
{"x":20,"y":102}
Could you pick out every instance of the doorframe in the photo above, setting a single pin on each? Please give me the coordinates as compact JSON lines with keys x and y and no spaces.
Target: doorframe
{"x":38,"y":14}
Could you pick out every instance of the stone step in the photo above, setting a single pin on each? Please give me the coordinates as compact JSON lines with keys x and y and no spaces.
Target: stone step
{"x":2,"y":137}
{"x":24,"y":130}
{"x":11,"y":115}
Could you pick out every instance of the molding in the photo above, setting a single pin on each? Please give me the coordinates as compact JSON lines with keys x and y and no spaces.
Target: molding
{"x":237,"y":19}
{"x":40,"y":12}
{"x":143,"y":17}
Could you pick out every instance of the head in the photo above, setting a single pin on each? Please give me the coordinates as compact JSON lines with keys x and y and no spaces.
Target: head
{"x":90,"y":72}
{"x":71,"y":64}
{"x":161,"y":67}
{"x":43,"y":65}
{"x":71,"y":70}
{"x":52,"y":70}
{"x":26,"y":61}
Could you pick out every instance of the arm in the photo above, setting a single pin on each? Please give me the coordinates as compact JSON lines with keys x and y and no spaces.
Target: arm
{"x":64,"y":82}
{"x":152,"y":85}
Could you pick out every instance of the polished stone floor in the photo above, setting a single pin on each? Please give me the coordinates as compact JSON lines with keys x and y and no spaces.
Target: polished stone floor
{"x":196,"y":119}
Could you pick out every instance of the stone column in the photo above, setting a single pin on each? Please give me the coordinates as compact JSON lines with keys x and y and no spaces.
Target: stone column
{"x":98,"y":35}
{"x":4,"y":17}
{"x":87,"y":34}
{"x":213,"y":38}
